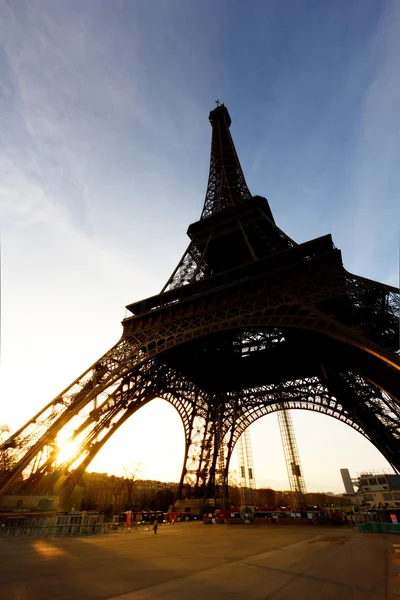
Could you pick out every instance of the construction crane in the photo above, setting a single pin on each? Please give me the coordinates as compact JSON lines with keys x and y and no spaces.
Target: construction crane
{"x":220,"y":471}
{"x":247,"y":481}
{"x":292,"y":458}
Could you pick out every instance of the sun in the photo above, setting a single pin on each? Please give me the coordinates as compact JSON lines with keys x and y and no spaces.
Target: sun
{"x":67,"y":451}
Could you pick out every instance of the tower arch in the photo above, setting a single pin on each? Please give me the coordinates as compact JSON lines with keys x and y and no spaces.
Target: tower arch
{"x":239,"y":272}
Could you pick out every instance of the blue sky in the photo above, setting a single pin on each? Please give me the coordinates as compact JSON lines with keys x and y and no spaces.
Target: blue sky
{"x":104,"y":152}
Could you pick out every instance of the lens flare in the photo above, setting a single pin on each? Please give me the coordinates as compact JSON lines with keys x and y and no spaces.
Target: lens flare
{"x":67,"y":451}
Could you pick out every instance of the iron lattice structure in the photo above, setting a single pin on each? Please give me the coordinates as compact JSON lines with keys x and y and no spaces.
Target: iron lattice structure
{"x":248,"y":320}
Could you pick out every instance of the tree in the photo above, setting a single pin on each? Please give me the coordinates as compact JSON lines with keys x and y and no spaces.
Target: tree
{"x":74,"y":502}
{"x":267,"y":497}
{"x":5,"y":462}
{"x":130,"y":475}
{"x":234,"y":488}
{"x":162,"y":500}
{"x":4,"y":432}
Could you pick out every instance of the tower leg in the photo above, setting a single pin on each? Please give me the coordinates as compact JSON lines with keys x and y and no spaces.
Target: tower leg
{"x":377,"y":413}
{"x":208,"y":451}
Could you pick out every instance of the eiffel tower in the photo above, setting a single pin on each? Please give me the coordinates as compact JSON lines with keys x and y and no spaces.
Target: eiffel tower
{"x":249,"y":323}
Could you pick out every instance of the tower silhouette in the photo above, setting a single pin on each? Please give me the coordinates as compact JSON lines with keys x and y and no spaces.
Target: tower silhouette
{"x":248,"y":323}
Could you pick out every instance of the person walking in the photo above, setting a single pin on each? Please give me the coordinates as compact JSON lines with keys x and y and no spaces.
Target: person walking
{"x":155,"y":525}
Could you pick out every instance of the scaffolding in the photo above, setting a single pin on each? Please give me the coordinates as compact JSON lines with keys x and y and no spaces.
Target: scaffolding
{"x":247,"y":481}
{"x":292,"y":458}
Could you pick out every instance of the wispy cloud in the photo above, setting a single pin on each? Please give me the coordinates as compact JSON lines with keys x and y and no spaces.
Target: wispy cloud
{"x":374,"y":203}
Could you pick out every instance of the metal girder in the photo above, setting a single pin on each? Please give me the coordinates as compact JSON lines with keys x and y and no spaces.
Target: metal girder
{"x":109,"y":383}
{"x":241,"y":410}
{"x":245,"y":285}
{"x":226,"y":183}
{"x":91,"y":425}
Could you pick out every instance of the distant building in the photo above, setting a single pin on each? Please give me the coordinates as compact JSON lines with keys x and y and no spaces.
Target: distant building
{"x":102,"y":491}
{"x":23,"y":503}
{"x":326,"y":499}
{"x":192,"y":507}
{"x":375,"y":489}
{"x":347,"y":482}
{"x":379,"y":489}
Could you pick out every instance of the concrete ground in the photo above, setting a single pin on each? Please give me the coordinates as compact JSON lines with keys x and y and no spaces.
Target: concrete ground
{"x":193,"y":561}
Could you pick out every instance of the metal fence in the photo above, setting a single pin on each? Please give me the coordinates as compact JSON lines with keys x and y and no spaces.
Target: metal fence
{"x":63,"y":524}
{"x":43,"y":531}
{"x":376,"y":522}
{"x":379,"y":527}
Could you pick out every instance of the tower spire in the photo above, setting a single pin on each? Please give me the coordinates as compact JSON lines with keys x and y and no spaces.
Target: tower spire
{"x":226,"y":183}
{"x":251,"y":233}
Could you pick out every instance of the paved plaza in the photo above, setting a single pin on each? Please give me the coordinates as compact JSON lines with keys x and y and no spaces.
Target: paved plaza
{"x":195,"y":561}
